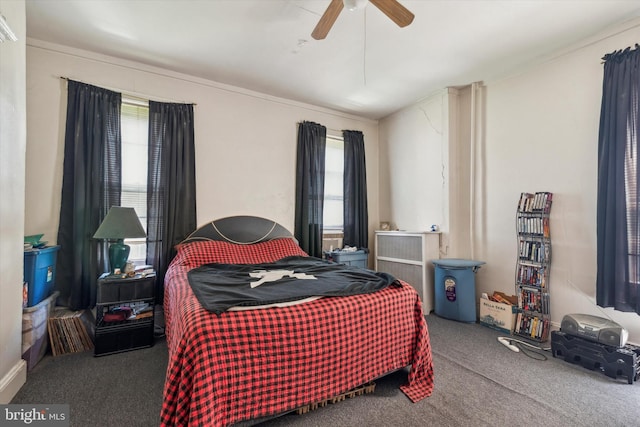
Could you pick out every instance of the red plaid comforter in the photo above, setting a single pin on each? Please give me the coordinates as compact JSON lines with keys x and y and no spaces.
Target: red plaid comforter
{"x":249,"y":364}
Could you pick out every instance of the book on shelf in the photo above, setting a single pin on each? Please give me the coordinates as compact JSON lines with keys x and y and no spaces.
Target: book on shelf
{"x":535,"y":202}
{"x":531,"y":275}
{"x":533,"y":265}
{"x":532,"y":326}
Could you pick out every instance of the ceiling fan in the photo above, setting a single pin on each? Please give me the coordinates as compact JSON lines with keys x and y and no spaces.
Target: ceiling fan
{"x":394,"y":10}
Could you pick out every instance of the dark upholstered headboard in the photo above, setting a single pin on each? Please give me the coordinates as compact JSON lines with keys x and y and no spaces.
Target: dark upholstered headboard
{"x":242,"y":230}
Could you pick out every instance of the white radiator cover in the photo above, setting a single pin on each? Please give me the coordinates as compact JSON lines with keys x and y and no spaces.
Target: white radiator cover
{"x":407,"y":256}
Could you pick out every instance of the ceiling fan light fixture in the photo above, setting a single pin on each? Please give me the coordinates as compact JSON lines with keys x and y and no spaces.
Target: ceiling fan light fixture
{"x":352,"y":5}
{"x":392,"y":8}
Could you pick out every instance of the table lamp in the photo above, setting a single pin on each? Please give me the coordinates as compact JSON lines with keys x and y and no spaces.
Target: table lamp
{"x":120,"y":223}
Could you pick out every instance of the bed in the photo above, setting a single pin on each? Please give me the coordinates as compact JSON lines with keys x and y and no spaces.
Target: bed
{"x":259,"y":361}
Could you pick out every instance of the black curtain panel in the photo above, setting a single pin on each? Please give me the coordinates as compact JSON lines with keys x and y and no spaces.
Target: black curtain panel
{"x":90,"y":186}
{"x":618,"y":221}
{"x":312,"y":144}
{"x":356,"y":216}
{"x":171,"y":185}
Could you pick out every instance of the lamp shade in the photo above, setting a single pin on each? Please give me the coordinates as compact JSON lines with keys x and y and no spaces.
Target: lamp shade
{"x":120,"y":223}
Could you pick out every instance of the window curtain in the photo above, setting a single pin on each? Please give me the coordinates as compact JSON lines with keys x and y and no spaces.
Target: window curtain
{"x":90,"y":186}
{"x":312,"y":144}
{"x":618,"y":221}
{"x":171,"y":186}
{"x":356,"y":217}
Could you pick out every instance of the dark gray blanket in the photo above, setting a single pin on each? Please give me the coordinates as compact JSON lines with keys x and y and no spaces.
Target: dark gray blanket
{"x":221,"y":286}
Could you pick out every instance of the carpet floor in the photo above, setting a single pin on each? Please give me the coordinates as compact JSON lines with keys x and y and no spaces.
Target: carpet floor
{"x":478,"y":382}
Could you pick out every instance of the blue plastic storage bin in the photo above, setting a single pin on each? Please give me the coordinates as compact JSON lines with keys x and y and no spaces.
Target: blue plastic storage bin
{"x":455,"y":289}
{"x":40,"y":273}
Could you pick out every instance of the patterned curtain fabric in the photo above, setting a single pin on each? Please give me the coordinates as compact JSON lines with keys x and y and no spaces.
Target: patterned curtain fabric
{"x":171,"y":185}
{"x":90,"y":186}
{"x":312,"y":143}
{"x":356,"y":216}
{"x":618,"y":221}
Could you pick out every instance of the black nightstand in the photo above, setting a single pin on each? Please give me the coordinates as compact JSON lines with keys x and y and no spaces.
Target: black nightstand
{"x":124,"y":313}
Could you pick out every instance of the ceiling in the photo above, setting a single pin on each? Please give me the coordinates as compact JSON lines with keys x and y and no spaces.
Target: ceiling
{"x":366,"y":66}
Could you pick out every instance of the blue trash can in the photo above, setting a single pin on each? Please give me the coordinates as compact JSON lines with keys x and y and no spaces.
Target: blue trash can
{"x":455,"y":288}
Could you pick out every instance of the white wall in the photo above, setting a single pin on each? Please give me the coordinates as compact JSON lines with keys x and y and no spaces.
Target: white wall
{"x":542,"y":135}
{"x":539,"y":132}
{"x":425,"y":168}
{"x":12,"y":165}
{"x":245,"y":141}
{"x":414,"y":161}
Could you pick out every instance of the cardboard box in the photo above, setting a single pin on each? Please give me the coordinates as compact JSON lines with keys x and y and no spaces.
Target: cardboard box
{"x":497,"y":316}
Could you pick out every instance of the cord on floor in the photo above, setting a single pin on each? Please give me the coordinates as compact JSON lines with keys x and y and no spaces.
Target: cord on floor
{"x":528,"y":349}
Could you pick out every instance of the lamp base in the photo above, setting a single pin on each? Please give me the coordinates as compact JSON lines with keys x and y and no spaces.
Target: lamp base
{"x":118,"y":255}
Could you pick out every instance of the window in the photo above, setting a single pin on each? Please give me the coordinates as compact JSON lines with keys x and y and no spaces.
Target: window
{"x":618,"y":214}
{"x":631,"y":196}
{"x":135,"y":133}
{"x":333,"y":214}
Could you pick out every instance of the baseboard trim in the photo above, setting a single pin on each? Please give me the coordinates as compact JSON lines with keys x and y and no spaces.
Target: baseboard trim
{"x":11,"y":383}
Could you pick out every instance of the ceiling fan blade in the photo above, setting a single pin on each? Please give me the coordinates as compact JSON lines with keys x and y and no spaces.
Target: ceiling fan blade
{"x":395,"y":11}
{"x":327,"y":20}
